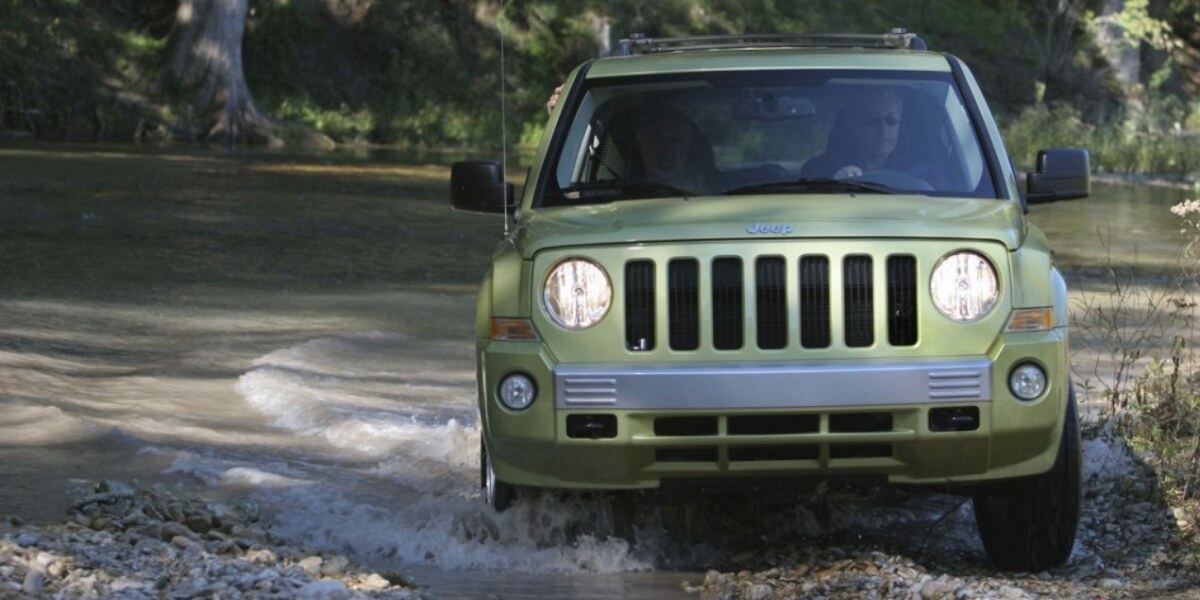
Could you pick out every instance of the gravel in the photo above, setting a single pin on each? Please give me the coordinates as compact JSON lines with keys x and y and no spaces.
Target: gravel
{"x":135,"y":542}
{"x":1131,"y":544}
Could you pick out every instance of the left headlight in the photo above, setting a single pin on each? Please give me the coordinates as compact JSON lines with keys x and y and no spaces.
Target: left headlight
{"x":964,"y":286}
{"x":577,"y":293}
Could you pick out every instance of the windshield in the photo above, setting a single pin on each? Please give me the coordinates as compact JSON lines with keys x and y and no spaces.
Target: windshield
{"x":769,"y":132}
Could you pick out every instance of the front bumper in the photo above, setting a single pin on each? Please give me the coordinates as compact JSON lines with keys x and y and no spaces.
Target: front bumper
{"x":688,"y":421}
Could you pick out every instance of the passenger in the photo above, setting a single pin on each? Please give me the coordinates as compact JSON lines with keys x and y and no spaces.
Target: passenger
{"x":864,"y":138}
{"x":670,"y":148}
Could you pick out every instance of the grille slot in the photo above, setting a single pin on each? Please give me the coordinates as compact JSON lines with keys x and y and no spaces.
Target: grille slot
{"x":773,"y":424}
{"x":860,"y":422}
{"x":684,"y":308}
{"x":685,"y":426}
{"x":790,"y":452}
{"x":902,"y":300}
{"x":860,"y":450}
{"x":858,"y":305}
{"x":771,"y":296}
{"x":727,"y":304}
{"x":814,"y":302}
{"x":678,"y":455}
{"x":639,"y":305}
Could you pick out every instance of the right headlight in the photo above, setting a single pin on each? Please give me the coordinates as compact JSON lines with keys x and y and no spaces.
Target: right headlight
{"x":964,"y":286}
{"x":577,"y":293}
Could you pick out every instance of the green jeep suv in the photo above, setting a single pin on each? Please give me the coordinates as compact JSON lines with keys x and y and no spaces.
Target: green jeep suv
{"x":781,"y":256}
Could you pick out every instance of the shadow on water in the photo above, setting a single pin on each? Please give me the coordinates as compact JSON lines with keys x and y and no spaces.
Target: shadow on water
{"x":179,"y":315}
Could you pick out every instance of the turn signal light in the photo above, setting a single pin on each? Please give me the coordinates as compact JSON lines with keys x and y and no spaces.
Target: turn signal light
{"x":513,"y":330}
{"x":1031,"y":319}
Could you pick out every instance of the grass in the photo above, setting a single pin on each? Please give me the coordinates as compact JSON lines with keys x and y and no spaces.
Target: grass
{"x":1144,"y":341}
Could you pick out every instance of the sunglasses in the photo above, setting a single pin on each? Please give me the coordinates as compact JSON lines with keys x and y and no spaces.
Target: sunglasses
{"x":889,"y":120}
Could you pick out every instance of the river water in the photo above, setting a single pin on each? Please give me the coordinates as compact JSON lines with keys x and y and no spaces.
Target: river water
{"x":299,"y":329}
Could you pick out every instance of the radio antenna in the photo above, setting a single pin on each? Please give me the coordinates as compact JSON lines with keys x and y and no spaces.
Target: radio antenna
{"x":503,"y":121}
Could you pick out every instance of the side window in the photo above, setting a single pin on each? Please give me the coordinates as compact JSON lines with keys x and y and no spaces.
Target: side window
{"x":579,"y":141}
{"x":965,"y":146}
{"x":599,"y":158}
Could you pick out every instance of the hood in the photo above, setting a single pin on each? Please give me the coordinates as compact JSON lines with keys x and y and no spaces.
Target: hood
{"x":808,"y":216}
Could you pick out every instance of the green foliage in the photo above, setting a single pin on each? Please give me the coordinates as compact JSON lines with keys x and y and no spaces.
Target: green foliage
{"x":1155,"y":141}
{"x":427,"y":72}
{"x":341,"y":123}
{"x":65,"y":73}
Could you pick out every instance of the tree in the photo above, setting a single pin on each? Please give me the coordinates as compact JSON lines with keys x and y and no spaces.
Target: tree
{"x":206,"y":54}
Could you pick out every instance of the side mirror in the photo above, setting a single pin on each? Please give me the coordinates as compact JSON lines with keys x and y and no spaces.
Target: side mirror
{"x":1061,"y":174}
{"x":479,"y":186}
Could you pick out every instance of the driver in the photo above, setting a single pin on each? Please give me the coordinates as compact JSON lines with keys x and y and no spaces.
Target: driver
{"x":864,"y":137}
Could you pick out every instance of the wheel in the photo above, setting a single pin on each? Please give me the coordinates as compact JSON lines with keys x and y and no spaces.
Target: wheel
{"x":496,"y":494}
{"x":1030,"y":524}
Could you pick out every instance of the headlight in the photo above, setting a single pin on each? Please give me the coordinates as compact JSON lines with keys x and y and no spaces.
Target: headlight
{"x":964,"y":286}
{"x":577,"y":293}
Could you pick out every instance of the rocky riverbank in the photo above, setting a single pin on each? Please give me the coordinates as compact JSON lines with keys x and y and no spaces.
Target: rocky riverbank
{"x":1132,"y":543}
{"x":137,"y":542}
{"x":147,"y":542}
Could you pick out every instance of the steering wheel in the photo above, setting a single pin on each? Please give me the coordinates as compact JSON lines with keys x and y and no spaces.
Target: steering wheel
{"x":892,"y":178}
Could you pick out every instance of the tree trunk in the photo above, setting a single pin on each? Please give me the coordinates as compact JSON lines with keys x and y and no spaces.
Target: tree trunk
{"x":1122,"y":53}
{"x":206,"y":53}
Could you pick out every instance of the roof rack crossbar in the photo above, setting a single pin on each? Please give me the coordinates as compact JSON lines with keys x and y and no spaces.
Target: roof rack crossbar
{"x":898,"y":39}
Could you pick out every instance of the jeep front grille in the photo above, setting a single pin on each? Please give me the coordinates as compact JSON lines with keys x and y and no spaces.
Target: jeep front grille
{"x":776,"y":295}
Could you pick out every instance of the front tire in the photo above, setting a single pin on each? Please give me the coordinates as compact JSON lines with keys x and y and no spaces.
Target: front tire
{"x":499,"y":496}
{"x":1030,"y":524}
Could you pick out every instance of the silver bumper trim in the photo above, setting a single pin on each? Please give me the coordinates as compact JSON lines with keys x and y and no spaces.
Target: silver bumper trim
{"x":757,"y":385}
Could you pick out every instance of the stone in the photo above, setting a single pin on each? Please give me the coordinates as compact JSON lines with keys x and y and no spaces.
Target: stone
{"x":260,"y":556}
{"x":135,"y":517}
{"x":26,"y":539}
{"x":311,"y":565}
{"x":376,"y":581}
{"x":761,"y":591}
{"x":33,"y":584}
{"x":334,"y":566}
{"x":324,"y":590}
{"x":175,"y":512}
{"x":183,"y":542}
{"x":57,"y":569}
{"x":937,"y":589}
{"x":171,"y":530}
{"x":199,"y":523}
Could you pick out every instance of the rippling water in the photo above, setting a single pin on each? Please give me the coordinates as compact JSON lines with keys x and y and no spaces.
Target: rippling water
{"x":300,"y":329}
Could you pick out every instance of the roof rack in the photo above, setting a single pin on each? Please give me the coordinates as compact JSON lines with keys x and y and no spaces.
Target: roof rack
{"x":897,"y":39}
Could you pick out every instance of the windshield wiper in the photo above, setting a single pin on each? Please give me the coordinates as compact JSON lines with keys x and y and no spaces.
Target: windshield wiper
{"x":606,"y":191}
{"x":812,"y":185}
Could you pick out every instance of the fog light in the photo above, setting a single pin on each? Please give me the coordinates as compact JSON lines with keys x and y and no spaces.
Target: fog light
{"x":517,"y":391}
{"x":1027,"y":381}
